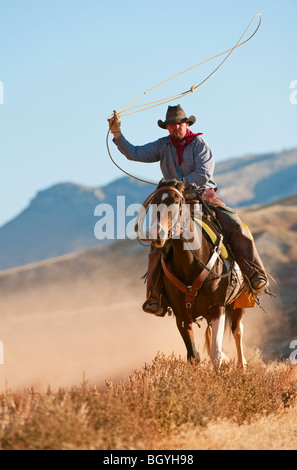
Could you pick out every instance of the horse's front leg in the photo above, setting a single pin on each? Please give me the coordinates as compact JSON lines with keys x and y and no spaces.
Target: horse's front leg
{"x":218,"y":327}
{"x":186,"y":331}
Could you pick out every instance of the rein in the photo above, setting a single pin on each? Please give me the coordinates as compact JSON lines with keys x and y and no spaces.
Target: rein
{"x":192,"y":291}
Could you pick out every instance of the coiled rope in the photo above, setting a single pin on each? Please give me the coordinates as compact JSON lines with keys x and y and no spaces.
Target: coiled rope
{"x":124,"y":111}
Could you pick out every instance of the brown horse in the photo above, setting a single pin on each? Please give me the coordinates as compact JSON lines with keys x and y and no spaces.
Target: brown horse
{"x":197,"y":282}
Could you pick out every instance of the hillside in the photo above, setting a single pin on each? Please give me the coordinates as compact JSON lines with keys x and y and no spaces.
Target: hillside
{"x":274,"y":227}
{"x":81,"y":313}
{"x":258,"y":179}
{"x":60,"y":219}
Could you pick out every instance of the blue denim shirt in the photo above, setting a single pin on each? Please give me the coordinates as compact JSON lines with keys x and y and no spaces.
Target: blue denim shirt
{"x":197,"y":165}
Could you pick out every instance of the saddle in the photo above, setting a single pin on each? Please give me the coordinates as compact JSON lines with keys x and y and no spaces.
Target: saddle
{"x":245,"y":299}
{"x":241,"y":298}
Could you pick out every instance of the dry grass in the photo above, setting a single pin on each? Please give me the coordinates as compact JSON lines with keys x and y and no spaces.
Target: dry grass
{"x":168,"y":404}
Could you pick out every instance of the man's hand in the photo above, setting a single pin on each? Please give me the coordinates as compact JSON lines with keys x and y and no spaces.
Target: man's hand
{"x":115,"y":124}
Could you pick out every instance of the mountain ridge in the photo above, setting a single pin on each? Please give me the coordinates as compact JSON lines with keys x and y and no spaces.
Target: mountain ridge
{"x":61,"y":220}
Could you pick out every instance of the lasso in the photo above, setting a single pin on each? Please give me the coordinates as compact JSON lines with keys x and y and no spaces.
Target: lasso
{"x":124,"y":110}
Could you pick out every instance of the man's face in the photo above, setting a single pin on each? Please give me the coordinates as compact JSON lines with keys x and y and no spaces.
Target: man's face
{"x":177,"y":131}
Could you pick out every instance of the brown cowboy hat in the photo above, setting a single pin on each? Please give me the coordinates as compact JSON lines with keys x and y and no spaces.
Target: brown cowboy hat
{"x":174,"y":115}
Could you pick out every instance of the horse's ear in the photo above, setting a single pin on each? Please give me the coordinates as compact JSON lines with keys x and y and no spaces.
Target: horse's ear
{"x":161,"y":182}
{"x":181,"y":186}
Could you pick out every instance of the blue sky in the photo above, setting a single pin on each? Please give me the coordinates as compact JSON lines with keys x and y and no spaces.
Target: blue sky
{"x":65,"y":65}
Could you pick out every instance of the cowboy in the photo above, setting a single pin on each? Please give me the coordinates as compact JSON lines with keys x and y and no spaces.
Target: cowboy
{"x":185,"y":156}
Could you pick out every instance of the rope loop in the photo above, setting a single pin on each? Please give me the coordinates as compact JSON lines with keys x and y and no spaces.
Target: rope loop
{"x":124,"y":111}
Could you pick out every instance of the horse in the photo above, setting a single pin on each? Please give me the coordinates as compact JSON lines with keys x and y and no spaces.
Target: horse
{"x":196,"y":282}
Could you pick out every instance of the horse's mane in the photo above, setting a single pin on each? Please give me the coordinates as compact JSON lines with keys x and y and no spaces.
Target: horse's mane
{"x":164,"y":182}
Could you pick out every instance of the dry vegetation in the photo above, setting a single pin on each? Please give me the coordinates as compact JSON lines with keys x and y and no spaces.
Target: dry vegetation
{"x":168,"y":404}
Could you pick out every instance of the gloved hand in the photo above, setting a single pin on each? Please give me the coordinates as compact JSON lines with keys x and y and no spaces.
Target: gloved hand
{"x":115,"y":123}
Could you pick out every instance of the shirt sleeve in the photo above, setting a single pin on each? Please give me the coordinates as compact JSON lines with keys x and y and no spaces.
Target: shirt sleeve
{"x":202,"y":176}
{"x":147,"y":153}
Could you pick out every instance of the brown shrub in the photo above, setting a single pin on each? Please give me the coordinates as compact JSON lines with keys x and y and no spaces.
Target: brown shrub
{"x":157,"y":402}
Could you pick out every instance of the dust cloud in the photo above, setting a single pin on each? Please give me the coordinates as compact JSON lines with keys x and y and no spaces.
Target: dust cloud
{"x":79,"y":316}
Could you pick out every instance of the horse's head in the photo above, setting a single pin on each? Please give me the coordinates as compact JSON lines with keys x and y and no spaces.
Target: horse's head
{"x":166,"y":206}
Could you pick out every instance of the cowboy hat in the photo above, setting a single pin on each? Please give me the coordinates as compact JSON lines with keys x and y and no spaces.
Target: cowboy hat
{"x":174,"y":115}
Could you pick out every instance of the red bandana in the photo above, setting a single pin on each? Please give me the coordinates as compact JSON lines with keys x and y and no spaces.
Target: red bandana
{"x":181,"y":144}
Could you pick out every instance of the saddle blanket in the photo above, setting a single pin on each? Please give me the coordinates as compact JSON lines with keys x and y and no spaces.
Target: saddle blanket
{"x":212,"y":235}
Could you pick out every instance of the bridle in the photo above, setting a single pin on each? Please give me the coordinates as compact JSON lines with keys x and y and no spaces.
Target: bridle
{"x":192,"y":290}
{"x":172,"y":233}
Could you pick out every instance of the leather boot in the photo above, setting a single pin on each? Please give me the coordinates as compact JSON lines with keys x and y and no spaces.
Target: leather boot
{"x":154,"y":283}
{"x":153,"y":304}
